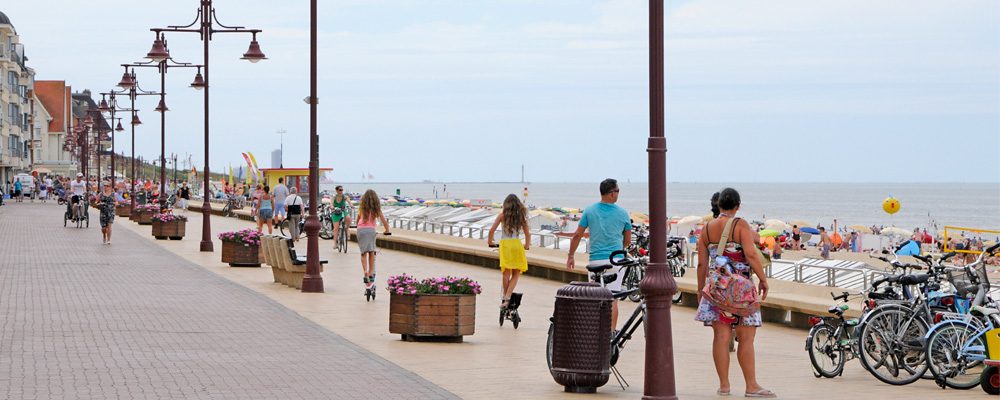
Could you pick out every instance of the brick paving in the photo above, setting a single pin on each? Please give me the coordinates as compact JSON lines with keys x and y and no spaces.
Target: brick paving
{"x":82,"y":320}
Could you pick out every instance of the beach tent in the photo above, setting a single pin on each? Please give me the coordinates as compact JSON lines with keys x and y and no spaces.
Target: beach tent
{"x":911,"y":249}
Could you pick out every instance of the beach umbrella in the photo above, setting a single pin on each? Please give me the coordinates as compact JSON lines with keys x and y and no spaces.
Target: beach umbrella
{"x":777,"y":225}
{"x":860,"y":228}
{"x":706,"y":218}
{"x":638,"y":217}
{"x":894,"y":231}
{"x":808,"y":229}
{"x":768,"y":233}
{"x":690,"y":220}
{"x":801,"y":224}
{"x":805,"y":237}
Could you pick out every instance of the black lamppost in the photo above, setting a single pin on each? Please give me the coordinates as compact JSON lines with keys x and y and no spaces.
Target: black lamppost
{"x":160,"y":59}
{"x":312,"y":282}
{"x":104,"y":107}
{"x":204,"y":25}
{"x":658,"y":286}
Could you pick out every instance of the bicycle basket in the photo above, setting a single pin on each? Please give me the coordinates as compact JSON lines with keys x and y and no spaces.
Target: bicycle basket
{"x":983,"y":277}
{"x":337,"y":211}
{"x":961,"y":281}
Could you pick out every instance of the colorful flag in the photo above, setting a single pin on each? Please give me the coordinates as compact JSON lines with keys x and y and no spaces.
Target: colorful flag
{"x":249,"y":167}
{"x":255,"y":167}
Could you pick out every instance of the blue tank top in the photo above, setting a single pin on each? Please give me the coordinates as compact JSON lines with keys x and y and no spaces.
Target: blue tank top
{"x":265,"y":204}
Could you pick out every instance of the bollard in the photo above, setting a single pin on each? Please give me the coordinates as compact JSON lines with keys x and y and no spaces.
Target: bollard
{"x":581,"y":337}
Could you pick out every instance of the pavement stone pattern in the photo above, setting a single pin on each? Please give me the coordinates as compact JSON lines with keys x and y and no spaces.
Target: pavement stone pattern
{"x":82,"y":320}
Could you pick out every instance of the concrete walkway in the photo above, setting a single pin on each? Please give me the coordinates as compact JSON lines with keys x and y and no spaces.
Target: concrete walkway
{"x":131,"y":320}
{"x":496,"y":362}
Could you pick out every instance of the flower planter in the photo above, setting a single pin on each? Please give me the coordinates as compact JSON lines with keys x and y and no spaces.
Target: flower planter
{"x":241,"y":255}
{"x":174,"y":230}
{"x":144,"y":217}
{"x":432,"y":317}
{"x":124,"y":211}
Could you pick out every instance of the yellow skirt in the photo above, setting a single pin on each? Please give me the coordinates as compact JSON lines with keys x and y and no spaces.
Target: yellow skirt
{"x":512,"y":255}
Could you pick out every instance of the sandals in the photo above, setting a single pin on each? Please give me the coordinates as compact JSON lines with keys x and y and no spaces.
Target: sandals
{"x":504,"y":303}
{"x":763,"y":393}
{"x":721,"y":393}
{"x":366,"y":280}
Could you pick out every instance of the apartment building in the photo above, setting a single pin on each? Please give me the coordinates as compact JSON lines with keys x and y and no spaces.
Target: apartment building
{"x":16,"y":105}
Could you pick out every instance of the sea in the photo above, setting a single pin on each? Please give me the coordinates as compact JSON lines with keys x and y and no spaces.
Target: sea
{"x":931,"y":206}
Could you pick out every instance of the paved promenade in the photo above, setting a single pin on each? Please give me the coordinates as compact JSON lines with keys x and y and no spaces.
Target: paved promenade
{"x":82,"y":320}
{"x":159,"y":319}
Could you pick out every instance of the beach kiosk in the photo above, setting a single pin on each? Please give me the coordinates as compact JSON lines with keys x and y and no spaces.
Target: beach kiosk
{"x":294,"y":177}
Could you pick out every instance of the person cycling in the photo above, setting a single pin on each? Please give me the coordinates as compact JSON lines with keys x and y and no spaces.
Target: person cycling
{"x":78,"y":187}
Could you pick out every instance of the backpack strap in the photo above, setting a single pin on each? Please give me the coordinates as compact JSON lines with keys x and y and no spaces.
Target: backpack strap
{"x":724,"y":240}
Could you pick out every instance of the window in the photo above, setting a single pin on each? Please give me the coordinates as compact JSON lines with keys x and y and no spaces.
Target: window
{"x":12,"y":78}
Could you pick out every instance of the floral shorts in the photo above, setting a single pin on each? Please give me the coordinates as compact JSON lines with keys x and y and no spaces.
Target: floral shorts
{"x":709,"y":313}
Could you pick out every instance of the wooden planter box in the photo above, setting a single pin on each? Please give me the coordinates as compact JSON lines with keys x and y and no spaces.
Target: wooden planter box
{"x":174,"y":230}
{"x":432,"y":317}
{"x":124,"y":211}
{"x":241,"y":255}
{"x":144,"y":217}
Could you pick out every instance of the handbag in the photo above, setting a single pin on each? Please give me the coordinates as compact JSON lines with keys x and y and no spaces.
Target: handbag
{"x":731,"y":292}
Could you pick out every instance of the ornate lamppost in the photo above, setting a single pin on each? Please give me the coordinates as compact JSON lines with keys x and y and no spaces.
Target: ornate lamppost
{"x":160,"y":59}
{"x":312,"y":282}
{"x":130,"y":84}
{"x":205,"y":25}
{"x":658,"y":285}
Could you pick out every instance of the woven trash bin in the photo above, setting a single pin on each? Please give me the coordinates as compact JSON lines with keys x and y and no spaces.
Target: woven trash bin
{"x":581,"y":337}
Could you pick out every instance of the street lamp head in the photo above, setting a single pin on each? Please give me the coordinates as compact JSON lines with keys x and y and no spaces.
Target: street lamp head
{"x":199,"y":82}
{"x":253,"y":54}
{"x":119,"y":127}
{"x":88,"y":121}
{"x":159,"y":51}
{"x":103,"y":107}
{"x":162,"y":107}
{"x":127,"y":82}
{"x":135,"y":119}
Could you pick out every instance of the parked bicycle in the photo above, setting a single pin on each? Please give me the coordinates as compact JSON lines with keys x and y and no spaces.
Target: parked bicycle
{"x":232,"y":204}
{"x":620,"y":337}
{"x":633,"y":274}
{"x":956,"y":346}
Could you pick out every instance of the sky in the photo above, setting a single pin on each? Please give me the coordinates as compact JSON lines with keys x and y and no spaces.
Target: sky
{"x":469,"y":91}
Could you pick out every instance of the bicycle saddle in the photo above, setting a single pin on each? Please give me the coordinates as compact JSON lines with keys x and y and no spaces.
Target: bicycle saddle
{"x":913,"y":279}
{"x":606,"y":278}
{"x":598,"y":268}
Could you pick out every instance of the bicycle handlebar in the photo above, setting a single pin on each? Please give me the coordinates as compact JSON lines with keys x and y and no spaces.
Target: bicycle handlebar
{"x":620,"y":261}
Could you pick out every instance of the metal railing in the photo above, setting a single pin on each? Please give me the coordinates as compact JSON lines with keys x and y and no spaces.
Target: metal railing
{"x":540,"y":239}
{"x":805,"y":271}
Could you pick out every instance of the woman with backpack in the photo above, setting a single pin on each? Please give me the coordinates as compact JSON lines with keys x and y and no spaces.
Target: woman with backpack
{"x":741,"y":256}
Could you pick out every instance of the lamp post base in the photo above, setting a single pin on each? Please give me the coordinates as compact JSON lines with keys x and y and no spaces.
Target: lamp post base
{"x":206,"y":226}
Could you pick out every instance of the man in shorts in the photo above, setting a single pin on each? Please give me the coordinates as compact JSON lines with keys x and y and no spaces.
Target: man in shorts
{"x":610,"y":229}
{"x":78,"y":187}
{"x":280,"y":193}
{"x":824,"y":244}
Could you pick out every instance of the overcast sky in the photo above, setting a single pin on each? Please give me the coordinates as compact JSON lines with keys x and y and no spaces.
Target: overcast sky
{"x":459,"y":90}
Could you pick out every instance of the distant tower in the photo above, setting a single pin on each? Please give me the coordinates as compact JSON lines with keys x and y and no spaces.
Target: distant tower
{"x":522,"y":173}
{"x":276,"y":158}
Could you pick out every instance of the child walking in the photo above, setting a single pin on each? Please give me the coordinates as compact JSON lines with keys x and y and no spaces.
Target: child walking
{"x":513,"y":261}
{"x":368,"y":211}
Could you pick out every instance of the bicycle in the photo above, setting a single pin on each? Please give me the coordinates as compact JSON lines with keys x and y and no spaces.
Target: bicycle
{"x":956,"y":346}
{"x":326,"y":222}
{"x":285,"y":228}
{"x":829,"y":347}
{"x":621,"y":337}
{"x":341,"y":229}
{"x":232,"y":204}
{"x":892,"y":335}
{"x":78,"y":213}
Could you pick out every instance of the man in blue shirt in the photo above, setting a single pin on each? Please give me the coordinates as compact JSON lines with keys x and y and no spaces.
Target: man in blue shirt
{"x":610,"y":230}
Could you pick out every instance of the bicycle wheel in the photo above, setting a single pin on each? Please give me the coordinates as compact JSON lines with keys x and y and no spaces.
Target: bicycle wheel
{"x":631,"y":281}
{"x":890,"y":345}
{"x":952,"y":350}
{"x":227,"y":210}
{"x":284,"y":229}
{"x":342,"y":241}
{"x":326,"y":228}
{"x":825,"y":352}
{"x":548,"y":346}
